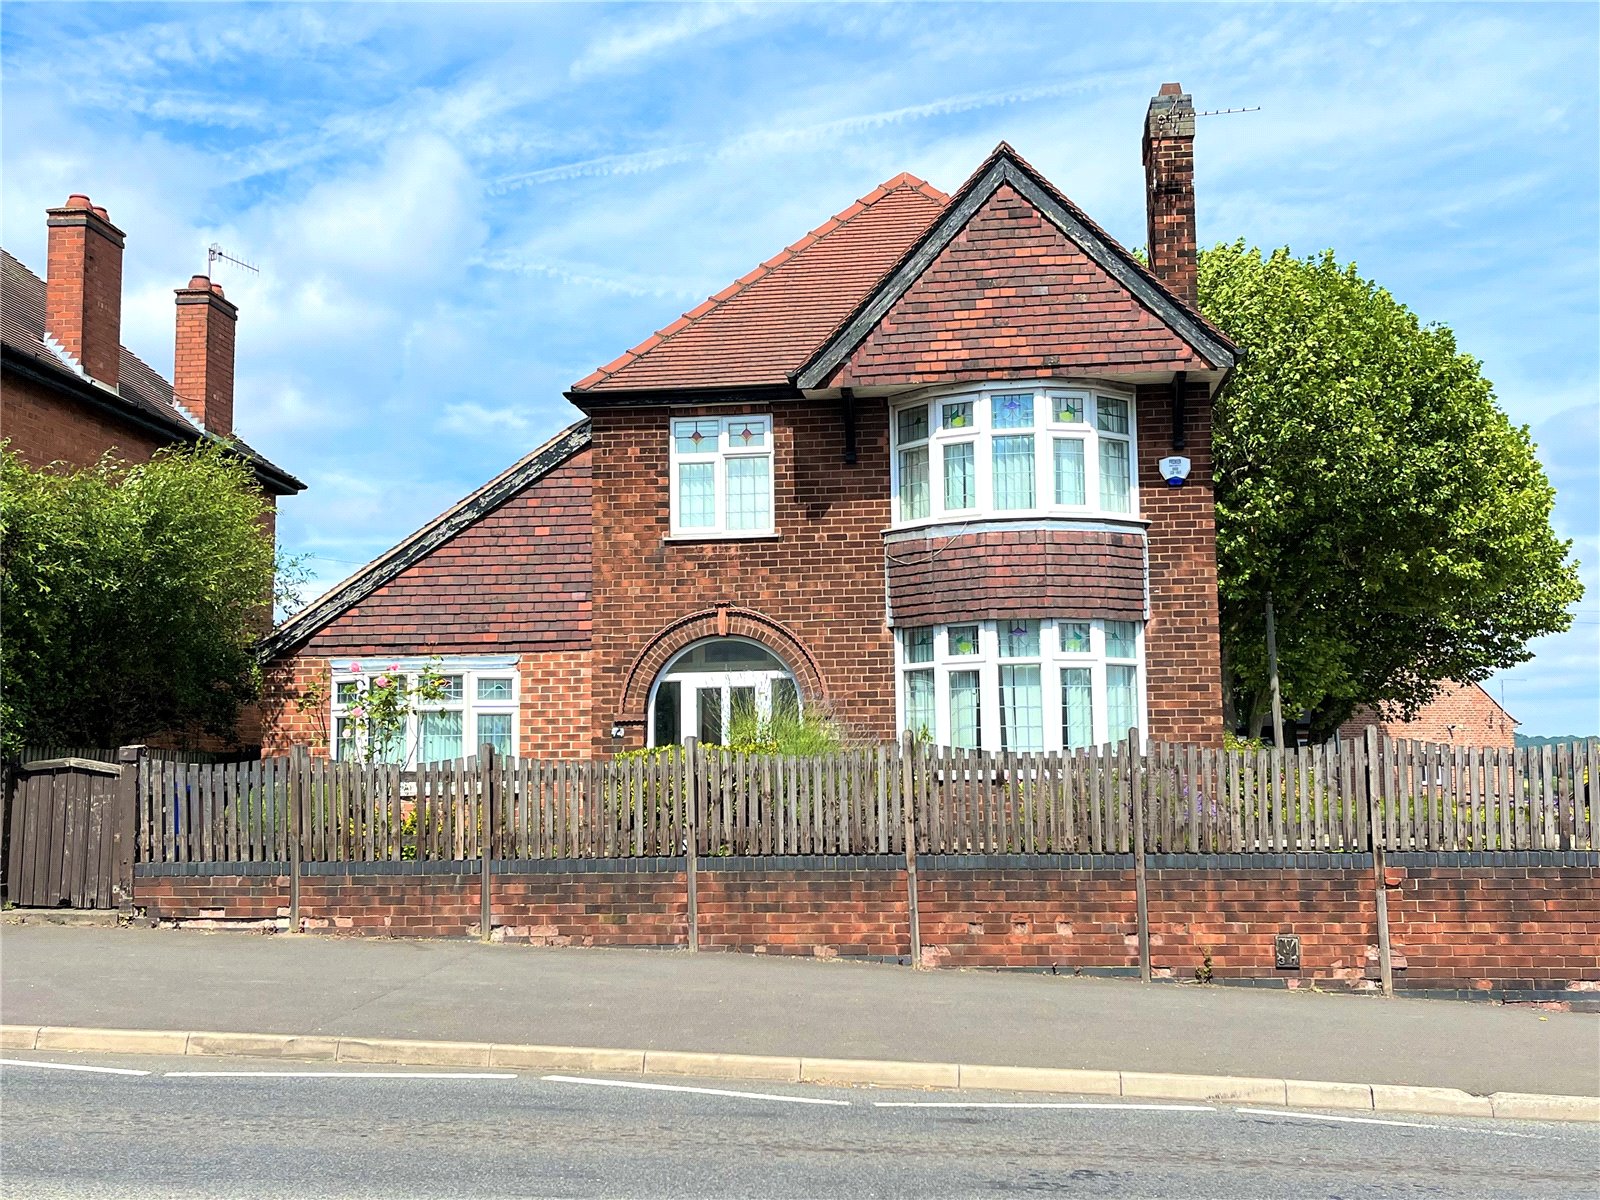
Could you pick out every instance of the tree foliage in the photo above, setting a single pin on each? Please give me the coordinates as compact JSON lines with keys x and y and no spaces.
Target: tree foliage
{"x":132,"y":597}
{"x":1366,"y":478}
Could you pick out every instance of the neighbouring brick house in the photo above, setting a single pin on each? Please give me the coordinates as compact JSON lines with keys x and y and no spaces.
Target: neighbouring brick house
{"x":70,"y":390}
{"x":1463,"y":714}
{"x":909,"y":469}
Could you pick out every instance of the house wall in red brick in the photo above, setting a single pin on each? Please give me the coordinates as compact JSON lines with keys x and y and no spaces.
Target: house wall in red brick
{"x":1182,"y":644}
{"x":516,"y":581}
{"x":553,"y":720}
{"x":1011,"y":297}
{"x":821,"y":578}
{"x":991,"y":574}
{"x":1461,"y":715}
{"x":1460,"y":928}
{"x":44,"y":427}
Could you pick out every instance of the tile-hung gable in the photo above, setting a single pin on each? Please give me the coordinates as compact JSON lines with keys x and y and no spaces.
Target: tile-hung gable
{"x":905,"y":472}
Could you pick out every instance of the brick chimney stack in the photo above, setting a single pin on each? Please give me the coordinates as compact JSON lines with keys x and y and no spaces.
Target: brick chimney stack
{"x":83,"y":287}
{"x":1169,"y":191}
{"x":202,"y":364}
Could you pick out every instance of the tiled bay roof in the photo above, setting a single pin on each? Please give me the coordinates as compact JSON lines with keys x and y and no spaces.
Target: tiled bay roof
{"x":760,"y":328}
{"x":140,"y":387}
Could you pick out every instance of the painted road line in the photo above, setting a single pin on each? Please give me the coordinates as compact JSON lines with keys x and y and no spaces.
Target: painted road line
{"x":699,"y":1091}
{"x":1303,"y":1116}
{"x":49,"y":1066}
{"x":338,"y":1075}
{"x":1043,"y":1104}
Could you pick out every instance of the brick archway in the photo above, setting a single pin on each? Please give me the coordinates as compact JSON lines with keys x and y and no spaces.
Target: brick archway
{"x":713,"y":623}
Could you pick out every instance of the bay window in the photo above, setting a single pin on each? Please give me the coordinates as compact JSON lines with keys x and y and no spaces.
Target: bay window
{"x":721,"y":482}
{"x":1002,"y":450}
{"x":1022,"y":685}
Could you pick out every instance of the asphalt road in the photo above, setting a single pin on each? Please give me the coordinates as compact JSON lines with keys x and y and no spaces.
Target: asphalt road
{"x":752,"y":1004}
{"x":102,"y":1135}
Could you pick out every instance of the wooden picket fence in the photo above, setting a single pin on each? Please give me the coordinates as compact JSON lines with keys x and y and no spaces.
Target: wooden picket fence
{"x":1195,"y":799}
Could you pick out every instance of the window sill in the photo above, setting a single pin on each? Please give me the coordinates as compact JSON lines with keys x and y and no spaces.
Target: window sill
{"x":691,"y":538}
{"x":1046,"y":520}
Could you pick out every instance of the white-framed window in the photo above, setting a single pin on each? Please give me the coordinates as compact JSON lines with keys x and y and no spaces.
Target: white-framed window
{"x":479,"y":705}
{"x":1014,"y":449}
{"x":1022,"y":685}
{"x":722,"y":476}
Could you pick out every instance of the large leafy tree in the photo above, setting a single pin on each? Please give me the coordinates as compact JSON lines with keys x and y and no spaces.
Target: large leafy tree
{"x":131,"y":597}
{"x":1367,"y":480}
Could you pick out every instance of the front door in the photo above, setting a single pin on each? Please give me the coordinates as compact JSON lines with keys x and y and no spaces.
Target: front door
{"x":712,"y":690}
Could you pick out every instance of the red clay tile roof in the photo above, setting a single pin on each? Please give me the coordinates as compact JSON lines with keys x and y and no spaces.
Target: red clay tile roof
{"x":762,"y":327}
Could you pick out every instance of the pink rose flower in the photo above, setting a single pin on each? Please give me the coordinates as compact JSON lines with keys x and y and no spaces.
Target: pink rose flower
{"x":356,"y":667}
{"x":381,"y":681}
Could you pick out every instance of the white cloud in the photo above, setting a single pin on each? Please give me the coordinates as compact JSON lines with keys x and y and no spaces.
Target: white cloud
{"x":666,"y":28}
{"x":475,"y":420}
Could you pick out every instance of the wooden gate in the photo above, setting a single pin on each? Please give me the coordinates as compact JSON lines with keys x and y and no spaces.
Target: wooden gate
{"x":72,"y":822}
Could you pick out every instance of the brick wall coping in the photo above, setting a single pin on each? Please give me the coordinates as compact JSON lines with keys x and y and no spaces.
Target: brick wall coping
{"x":894,"y":862}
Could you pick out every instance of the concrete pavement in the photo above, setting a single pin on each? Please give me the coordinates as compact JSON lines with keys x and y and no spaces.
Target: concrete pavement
{"x":668,"y":1000}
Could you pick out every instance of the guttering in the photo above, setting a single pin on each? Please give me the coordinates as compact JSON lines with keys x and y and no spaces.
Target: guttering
{"x":273,"y":478}
{"x":761,"y":393}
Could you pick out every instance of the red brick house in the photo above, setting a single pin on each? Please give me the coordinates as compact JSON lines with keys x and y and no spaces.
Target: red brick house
{"x":70,"y":390}
{"x":911,"y":469}
{"x":1463,"y":714}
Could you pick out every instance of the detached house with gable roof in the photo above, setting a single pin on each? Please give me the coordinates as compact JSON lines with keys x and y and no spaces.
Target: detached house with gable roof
{"x":908,"y":469}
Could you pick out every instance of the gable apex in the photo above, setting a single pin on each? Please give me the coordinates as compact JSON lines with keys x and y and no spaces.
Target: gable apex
{"x":1005,"y":168}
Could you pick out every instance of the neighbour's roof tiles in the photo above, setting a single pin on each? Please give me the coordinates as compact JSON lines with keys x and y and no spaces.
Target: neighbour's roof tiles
{"x":140,"y":386}
{"x":762,"y":326}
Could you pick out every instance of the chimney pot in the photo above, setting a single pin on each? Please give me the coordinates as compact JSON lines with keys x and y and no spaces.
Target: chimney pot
{"x":202,"y":370}
{"x":1171,"y":89}
{"x":83,"y":286}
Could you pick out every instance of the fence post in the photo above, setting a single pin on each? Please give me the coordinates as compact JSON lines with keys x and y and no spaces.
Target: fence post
{"x":1140,"y":884}
{"x":908,"y":794}
{"x":299,"y":767}
{"x":691,"y":865}
{"x":125,"y":834}
{"x":488,"y":772}
{"x":1381,"y":886}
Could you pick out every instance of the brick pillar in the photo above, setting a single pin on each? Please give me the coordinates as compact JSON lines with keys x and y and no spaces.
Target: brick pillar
{"x":1182,"y":645}
{"x":1169,"y":191}
{"x":83,"y":287}
{"x":202,"y":365}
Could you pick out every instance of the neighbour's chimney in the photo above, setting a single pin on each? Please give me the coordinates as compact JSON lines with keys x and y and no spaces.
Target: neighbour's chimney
{"x":202,"y":364}
{"x":83,"y":287}
{"x":1169,"y":191}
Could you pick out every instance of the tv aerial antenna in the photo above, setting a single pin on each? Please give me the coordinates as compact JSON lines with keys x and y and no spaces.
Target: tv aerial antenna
{"x":215,"y":254}
{"x":1222,"y":112}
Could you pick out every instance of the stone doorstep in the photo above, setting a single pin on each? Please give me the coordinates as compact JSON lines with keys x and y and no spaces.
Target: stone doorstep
{"x":1219,"y":1089}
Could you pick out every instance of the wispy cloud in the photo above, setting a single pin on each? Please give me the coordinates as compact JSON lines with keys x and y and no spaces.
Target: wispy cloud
{"x":475,"y":420}
{"x":666,"y":28}
{"x":776,"y":139}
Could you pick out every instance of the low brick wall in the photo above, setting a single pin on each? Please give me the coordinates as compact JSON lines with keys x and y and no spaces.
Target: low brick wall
{"x":1523,"y":925}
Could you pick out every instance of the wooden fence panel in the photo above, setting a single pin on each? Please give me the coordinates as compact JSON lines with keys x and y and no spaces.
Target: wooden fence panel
{"x":1198,"y":799}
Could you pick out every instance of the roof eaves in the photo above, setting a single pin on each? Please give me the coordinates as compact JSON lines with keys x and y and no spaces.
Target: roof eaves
{"x":387,"y":566}
{"x":49,"y":372}
{"x":1005,"y":166}
{"x":904,"y":179}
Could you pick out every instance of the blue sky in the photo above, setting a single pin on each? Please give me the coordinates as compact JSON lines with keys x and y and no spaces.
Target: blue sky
{"x":459,"y":211}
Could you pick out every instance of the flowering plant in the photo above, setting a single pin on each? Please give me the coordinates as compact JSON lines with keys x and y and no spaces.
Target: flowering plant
{"x":385,"y":706}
